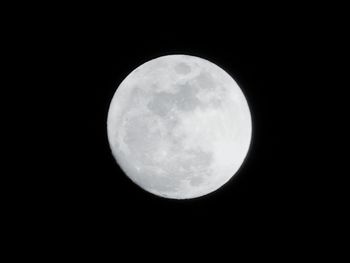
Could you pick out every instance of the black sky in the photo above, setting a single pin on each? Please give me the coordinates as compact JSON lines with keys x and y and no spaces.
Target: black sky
{"x":265,"y":186}
{"x":81,"y":57}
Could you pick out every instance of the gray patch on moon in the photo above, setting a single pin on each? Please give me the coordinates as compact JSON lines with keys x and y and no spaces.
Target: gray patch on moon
{"x":184,"y":99}
{"x":211,"y":94}
{"x":197,"y":160}
{"x":192,"y":165}
{"x":196,"y":181}
{"x":161,"y":103}
{"x":140,"y":137}
{"x":195,"y":166}
{"x":182,"y":68}
{"x":159,"y":183}
{"x":163,"y":174}
{"x":205,"y":81}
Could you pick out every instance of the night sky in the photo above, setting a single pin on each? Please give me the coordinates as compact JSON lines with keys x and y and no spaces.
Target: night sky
{"x":80,"y":192}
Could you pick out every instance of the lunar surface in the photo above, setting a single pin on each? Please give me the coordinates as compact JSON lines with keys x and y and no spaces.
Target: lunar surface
{"x":179,"y":126}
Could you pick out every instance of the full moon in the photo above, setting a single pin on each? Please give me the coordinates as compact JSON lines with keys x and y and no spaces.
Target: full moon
{"x":179,"y":126}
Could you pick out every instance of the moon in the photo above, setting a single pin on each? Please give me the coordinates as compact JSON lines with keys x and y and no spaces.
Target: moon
{"x":179,"y":126}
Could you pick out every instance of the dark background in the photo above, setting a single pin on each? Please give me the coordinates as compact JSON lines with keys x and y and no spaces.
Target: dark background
{"x":77,"y":57}
{"x":269,"y":186}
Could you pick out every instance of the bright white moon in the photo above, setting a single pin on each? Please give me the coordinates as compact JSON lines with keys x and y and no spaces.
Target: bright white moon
{"x":179,"y":126}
